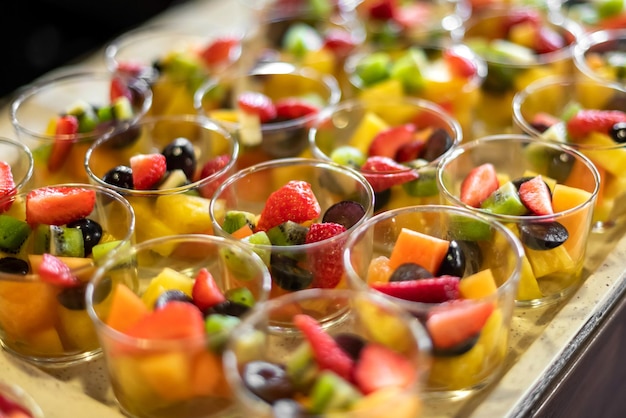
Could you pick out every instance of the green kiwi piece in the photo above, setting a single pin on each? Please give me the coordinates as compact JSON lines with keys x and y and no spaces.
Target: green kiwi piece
{"x":101,"y":251}
{"x":260,"y":238}
{"x":468,"y":229}
{"x":41,"y":239}
{"x":241,"y":295}
{"x":287,"y":234}
{"x":505,"y":201}
{"x":13,"y":233}
{"x":237,"y":263}
{"x":218,"y":328}
{"x":122,"y":109}
{"x":236,"y":219}
{"x":66,"y":242}
{"x":332,"y":393}
{"x":425,"y":185}
{"x":87,"y":117}
{"x":301,"y":367}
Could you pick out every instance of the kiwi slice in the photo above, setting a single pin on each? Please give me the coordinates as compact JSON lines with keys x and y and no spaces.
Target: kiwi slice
{"x":240,"y":295}
{"x":260,"y":238}
{"x":13,"y":233}
{"x":425,"y":185}
{"x":236,"y":219}
{"x":287,"y":234}
{"x":238,"y":264}
{"x":66,"y":242}
{"x":122,"y":109}
{"x":505,"y":201}
{"x":301,"y":367}
{"x":41,"y":239}
{"x":332,"y":393}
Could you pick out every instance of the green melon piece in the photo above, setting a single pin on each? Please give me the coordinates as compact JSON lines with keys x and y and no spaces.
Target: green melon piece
{"x":408,"y":69}
{"x":240,"y":295}
{"x":122,"y":109}
{"x":301,"y":38}
{"x":468,"y":229}
{"x":505,"y":201}
{"x":13,"y":233}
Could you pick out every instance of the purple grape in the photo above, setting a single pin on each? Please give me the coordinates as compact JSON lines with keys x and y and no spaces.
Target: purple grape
{"x":346,"y":213}
{"x":267,"y":380}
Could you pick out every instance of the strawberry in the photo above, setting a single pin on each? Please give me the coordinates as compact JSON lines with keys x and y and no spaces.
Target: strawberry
{"x":294,"y":201}
{"x":294,"y":108}
{"x":327,"y":265}
{"x":209,"y":168}
{"x":327,"y":353}
{"x":221,"y":51}
{"x":410,"y":151}
{"x":380,"y":367}
{"x":256,"y":103}
{"x":205,"y":291}
{"x":387,"y":142}
{"x":119,"y":89}
{"x":548,"y":40}
{"x":59,"y":205}
{"x":536,"y":196}
{"x":520,"y":16}
{"x":339,"y":42}
{"x":433,"y":290}
{"x":459,"y":64}
{"x":383,"y":173}
{"x":383,"y":9}
{"x":54,"y":271}
{"x":7,"y":186}
{"x":479,"y":184}
{"x":66,"y":129}
{"x":412,"y":15}
{"x":133,"y":69}
{"x":591,"y":120}
{"x":174,"y":321}
{"x":148,"y":170}
{"x":454,"y":323}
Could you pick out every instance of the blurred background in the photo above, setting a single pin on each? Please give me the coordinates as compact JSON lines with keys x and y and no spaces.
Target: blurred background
{"x":40,"y":35}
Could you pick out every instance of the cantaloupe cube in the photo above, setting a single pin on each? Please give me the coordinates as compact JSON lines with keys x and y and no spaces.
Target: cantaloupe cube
{"x":167,"y":374}
{"x":577,"y":223}
{"x":478,"y":285}
{"x":416,"y":247}
{"x":26,"y":307}
{"x":379,"y":270}
{"x":127,"y":308}
{"x":76,"y":330}
{"x":44,"y":342}
{"x":366,"y":131}
{"x":207,"y":376}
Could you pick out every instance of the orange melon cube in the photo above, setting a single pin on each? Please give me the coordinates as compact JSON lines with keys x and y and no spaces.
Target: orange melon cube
{"x":416,"y":247}
{"x":127,"y":309}
{"x":564,"y":198}
{"x":478,"y":285}
{"x":379,"y":270}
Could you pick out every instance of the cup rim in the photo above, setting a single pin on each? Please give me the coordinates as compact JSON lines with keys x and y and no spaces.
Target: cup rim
{"x":31,"y":162}
{"x":202,"y":121}
{"x":509,"y":285}
{"x":516,"y":138}
{"x":550,"y":81}
{"x":291,"y":162}
{"x":270,"y":68}
{"x":73,"y":75}
{"x":590,"y":39}
{"x":33,"y":278}
{"x":148,"y":343}
{"x":19,"y":395}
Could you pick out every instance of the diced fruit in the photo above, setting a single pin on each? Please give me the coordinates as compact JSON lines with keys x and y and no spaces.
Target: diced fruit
{"x":257,"y":104}
{"x":221,"y":51}
{"x":7,"y":186}
{"x":209,"y":168}
{"x":433,"y":290}
{"x":294,"y":108}
{"x":366,"y":131}
{"x":383,"y":173}
{"x":176,"y":320}
{"x":591,"y":120}
{"x":479,"y":184}
{"x":294,"y":201}
{"x":327,"y":264}
{"x":332,"y":393}
{"x":536,"y":196}
{"x":205,"y":292}
{"x":13,"y":233}
{"x":478,"y":285}
{"x":459,"y":64}
{"x":380,"y":367}
{"x":454,"y":323}
{"x":505,"y":201}
{"x":66,"y":127}
{"x":416,"y":247}
{"x":147,"y":170}
{"x":59,"y":205}
{"x":127,"y":309}
{"x":389,"y":141}
{"x":55,"y":271}
{"x":167,"y":279}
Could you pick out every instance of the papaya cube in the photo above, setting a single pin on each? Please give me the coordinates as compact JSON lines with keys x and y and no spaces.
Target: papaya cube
{"x":478,"y":285}
{"x":416,"y":247}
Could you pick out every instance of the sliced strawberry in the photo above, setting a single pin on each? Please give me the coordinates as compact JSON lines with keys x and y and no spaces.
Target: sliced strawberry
{"x":380,"y":367}
{"x":256,"y":103}
{"x":59,"y":205}
{"x":387,"y":142}
{"x":53,"y":270}
{"x":536,"y":196}
{"x":433,"y":290}
{"x":591,"y":120}
{"x":7,"y":186}
{"x":542,"y":121}
{"x":66,"y":128}
{"x":118,"y":89}
{"x":479,"y":184}
{"x":454,"y":323}
{"x":148,"y":170}
{"x":459,"y":64}
{"x":205,"y":291}
{"x":209,"y":168}
{"x":548,"y":40}
{"x":133,"y":69}
{"x":410,"y":151}
{"x":175,"y":320}
{"x":294,"y":201}
{"x":221,"y":51}
{"x":520,"y":16}
{"x":328,"y":354}
{"x":294,"y":108}
{"x":383,"y":173}
{"x":327,"y":265}
{"x":413,"y":15}
{"x":11,"y":409}
{"x":382,"y":9}
{"x":339,"y":42}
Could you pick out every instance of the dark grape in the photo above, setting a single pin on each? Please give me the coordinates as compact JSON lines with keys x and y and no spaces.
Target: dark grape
{"x":73,"y":298}
{"x":346,"y":213}
{"x":179,"y":155}
{"x":92,"y":232}
{"x":437,"y":144}
{"x":13,"y":265}
{"x":124,"y":138}
{"x":288,"y":275}
{"x":409,"y":271}
{"x":381,"y":199}
{"x":458,"y":349}
{"x":267,"y":380}
{"x":560,"y":166}
{"x":351,"y":344}
{"x":453,"y":263}
{"x":543,"y":235}
{"x":227,"y":308}
{"x":169,"y":296}
{"x":618,"y":132}
{"x":120,"y":176}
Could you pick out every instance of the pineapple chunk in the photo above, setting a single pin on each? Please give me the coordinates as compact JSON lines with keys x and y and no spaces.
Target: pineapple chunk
{"x":368,"y":128}
{"x":167,"y":279}
{"x":184,"y":214}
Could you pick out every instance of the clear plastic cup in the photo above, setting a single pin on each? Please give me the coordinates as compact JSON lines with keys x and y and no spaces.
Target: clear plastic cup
{"x":20,"y":160}
{"x":600,"y":56}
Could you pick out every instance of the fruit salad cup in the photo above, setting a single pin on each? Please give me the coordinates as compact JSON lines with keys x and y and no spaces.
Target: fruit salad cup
{"x":296,"y":213}
{"x":395,"y":144}
{"x":449,"y":76}
{"x":286,"y":360}
{"x":601,"y":56}
{"x":269,"y":109}
{"x":519,"y":45}
{"x":175,"y":60}
{"x":589,"y":116}
{"x":168,"y":168}
{"x":169,"y":307}
{"x":457,"y":272}
{"x":395,"y":24}
{"x":58,"y":118}
{"x":16,"y":167}
{"x":52,"y":238}
{"x":544,"y":192}
{"x":596,"y":15}
{"x":16,"y":403}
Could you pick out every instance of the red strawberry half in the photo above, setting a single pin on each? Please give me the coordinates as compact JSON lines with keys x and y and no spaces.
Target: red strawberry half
{"x":205,"y":291}
{"x":53,"y":270}
{"x":479,"y":184}
{"x":148,"y":170}
{"x":433,"y":290}
{"x":221,"y":51}
{"x":380,"y":367}
{"x":536,"y":196}
{"x":591,"y":120}
{"x":59,"y":205}
{"x":7,"y":186}
{"x":119,"y":89}
{"x":66,"y":128}
{"x":339,"y":42}
{"x":454,"y":323}
{"x":328,"y":354}
{"x":209,"y":168}
{"x":294,"y":201}
{"x":459,"y":64}
{"x":326,"y":260}
{"x":387,"y":142}
{"x":256,"y":103}
{"x":294,"y":108}
{"x":383,"y":173}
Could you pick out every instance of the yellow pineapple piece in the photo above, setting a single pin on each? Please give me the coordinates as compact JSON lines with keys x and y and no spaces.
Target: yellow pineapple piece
{"x":167,"y":279}
{"x":185,"y":214}
{"x":386,"y":90}
{"x":382,"y":326}
{"x":168,"y":374}
{"x":613,"y":160}
{"x":366,"y":131}
{"x":550,"y":261}
{"x":528,"y":288}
